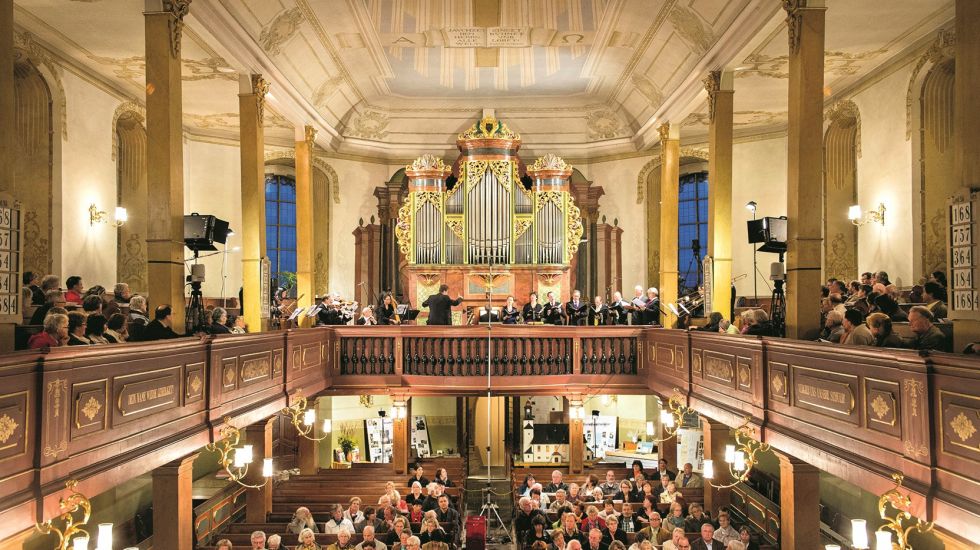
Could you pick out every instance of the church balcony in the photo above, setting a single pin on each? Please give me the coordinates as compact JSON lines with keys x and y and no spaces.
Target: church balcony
{"x":110,"y":413}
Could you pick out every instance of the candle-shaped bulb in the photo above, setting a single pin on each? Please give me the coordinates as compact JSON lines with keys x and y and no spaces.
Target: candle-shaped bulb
{"x":267,"y":467}
{"x":309,"y":417}
{"x":729,"y":453}
{"x":709,"y":469}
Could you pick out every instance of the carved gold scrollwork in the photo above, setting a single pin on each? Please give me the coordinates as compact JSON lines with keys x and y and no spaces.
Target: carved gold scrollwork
{"x":428,"y":162}
{"x":474,"y":171}
{"x":260,"y":87}
{"x":503,"y":170}
{"x":488,"y":127}
{"x":712,"y":83}
{"x":521,"y":225}
{"x":177,"y":10}
{"x":310,"y":135}
{"x":664,"y":130}
{"x":403,"y":228}
{"x":545,"y":197}
{"x":423,"y":197}
{"x":456,"y":226}
{"x":573,"y":234}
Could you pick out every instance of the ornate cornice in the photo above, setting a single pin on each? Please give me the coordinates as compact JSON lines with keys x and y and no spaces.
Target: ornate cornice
{"x":177,"y":10}
{"x":712,"y":83}
{"x":664,"y":131}
{"x":260,"y":87}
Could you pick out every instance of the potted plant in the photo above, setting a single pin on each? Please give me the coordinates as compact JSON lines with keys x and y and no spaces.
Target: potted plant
{"x":347,"y":445}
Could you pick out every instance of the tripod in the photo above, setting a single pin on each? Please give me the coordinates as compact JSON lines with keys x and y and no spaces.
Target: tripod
{"x":777,"y":315}
{"x":194,"y":317}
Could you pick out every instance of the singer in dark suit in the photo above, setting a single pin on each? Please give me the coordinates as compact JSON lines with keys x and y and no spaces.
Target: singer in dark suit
{"x":441,"y":306}
{"x":576,"y":310}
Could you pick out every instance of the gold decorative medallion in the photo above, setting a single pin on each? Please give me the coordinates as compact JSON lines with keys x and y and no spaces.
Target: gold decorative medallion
{"x":91,"y":408}
{"x":488,"y":127}
{"x":7,"y":428}
{"x":963,"y":427}
{"x":880,"y":407}
{"x":229,"y":376}
{"x":778,"y":383}
{"x":196,"y":384}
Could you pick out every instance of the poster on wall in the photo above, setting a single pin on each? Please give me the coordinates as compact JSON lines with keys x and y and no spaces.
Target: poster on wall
{"x":420,"y":436}
{"x":600,"y":435}
{"x":690,"y":448}
{"x":379,"y":442}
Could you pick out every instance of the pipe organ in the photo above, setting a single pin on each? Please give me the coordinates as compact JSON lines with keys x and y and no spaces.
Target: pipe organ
{"x":481,"y":211}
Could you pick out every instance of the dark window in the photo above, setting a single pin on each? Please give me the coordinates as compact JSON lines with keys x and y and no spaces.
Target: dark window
{"x":280,"y":224}
{"x":692,"y":225}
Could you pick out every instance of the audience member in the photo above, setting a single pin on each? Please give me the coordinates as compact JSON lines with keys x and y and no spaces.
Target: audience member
{"x":442,"y":478}
{"x":75,"y":290}
{"x":115,"y":331}
{"x":856,"y":332}
{"x":523,"y":522}
{"x":353,"y":512}
{"x":725,"y":532}
{"x":689,"y":479}
{"x":160,"y":327}
{"x":302,"y":519}
{"x":219,"y":316}
{"x":726,"y":327}
{"x":611,"y":485}
{"x":448,"y":515}
{"x":337,"y":520}
{"x":759,"y":325}
{"x":594,"y":542}
{"x":76,"y":329}
{"x":889,"y":307}
{"x":676,"y":536}
{"x":556,"y":483}
{"x":223,"y":544}
{"x":138,"y":319}
{"x":561,"y":504}
{"x":656,"y":531}
{"x":367,"y":536}
{"x":31,"y":282}
{"x":934,"y":296}
{"x":52,"y":298}
{"x":663,"y":466}
{"x":399,"y":528}
{"x":275,"y":543}
{"x":258,"y":540}
{"x":55,"y":333}
{"x":433,"y":532}
{"x":95,"y":327}
{"x":707,"y":541}
{"x":627,"y":520}
{"x":734,"y":545}
{"x":538,"y":533}
{"x":881,"y":329}
{"x":676,"y":517}
{"x":307,"y":540}
{"x":121,"y":294}
{"x":745,"y":537}
{"x":696,"y":518}
{"x":927,"y":336}
{"x":613,"y":532}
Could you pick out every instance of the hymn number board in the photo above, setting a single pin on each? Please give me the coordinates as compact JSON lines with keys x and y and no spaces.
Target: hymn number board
{"x":10,"y":261}
{"x":962,"y":237}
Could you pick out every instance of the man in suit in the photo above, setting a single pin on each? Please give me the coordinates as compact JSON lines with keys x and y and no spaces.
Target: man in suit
{"x":689,"y":479}
{"x":441,"y":306}
{"x":552,"y":312}
{"x":651,"y":316}
{"x":707,"y":541}
{"x":638,"y":306}
{"x":927,"y":336}
{"x":160,"y":327}
{"x":856,"y":333}
{"x":577,"y":311}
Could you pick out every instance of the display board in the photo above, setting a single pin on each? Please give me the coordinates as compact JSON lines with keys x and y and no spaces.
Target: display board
{"x":10,"y":261}
{"x":379,"y":443}
{"x":690,"y":448}
{"x":708,"y":284}
{"x":600,"y":434}
{"x":961,"y":240}
{"x":265,"y":290}
{"x":420,"y":436}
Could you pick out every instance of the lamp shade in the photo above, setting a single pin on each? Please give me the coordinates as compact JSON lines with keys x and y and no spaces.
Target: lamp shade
{"x":883,"y":540}
{"x":104,"y":541}
{"x":327,"y":426}
{"x":859,"y":533}
{"x":832,"y":547}
{"x":729,"y":453}
{"x":739,"y":461}
{"x":80,"y":543}
{"x":650,"y":429}
{"x":239,"y":460}
{"x":854,"y":212}
{"x":709,"y":469}
{"x":309,"y":417}
{"x":267,"y":467}
{"x":247,"y":454}
{"x":122,"y":216}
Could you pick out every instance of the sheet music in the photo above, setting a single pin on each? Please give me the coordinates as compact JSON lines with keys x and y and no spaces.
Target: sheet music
{"x":297,"y":313}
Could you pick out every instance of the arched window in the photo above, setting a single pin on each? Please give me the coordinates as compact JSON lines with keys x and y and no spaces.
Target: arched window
{"x":692,"y":228}
{"x":280,"y":226}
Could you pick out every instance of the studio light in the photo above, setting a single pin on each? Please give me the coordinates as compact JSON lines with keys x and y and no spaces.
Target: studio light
{"x":751,"y":205}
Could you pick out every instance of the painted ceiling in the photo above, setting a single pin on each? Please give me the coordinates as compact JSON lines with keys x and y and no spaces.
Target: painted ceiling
{"x":397,"y":77}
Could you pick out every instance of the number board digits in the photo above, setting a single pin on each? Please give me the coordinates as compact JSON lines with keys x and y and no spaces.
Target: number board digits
{"x":10,"y":268}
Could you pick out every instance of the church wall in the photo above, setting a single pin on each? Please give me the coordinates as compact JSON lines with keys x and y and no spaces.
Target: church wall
{"x":758,"y":174}
{"x":88,"y":176}
{"x":885,"y":176}
{"x":618,"y":180}
{"x":212,"y":185}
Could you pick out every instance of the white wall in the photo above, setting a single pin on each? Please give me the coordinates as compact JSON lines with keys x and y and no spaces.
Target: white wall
{"x":212,"y":185}
{"x":759,"y":172}
{"x":88,"y":176}
{"x":885,"y":176}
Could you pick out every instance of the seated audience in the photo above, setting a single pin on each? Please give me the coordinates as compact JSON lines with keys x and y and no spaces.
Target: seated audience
{"x":726,"y":327}
{"x":934,"y":296}
{"x":367,"y":537}
{"x":889,"y":307}
{"x":258,"y":539}
{"x":31,"y":282}
{"x":525,"y":486}
{"x":307,"y":540}
{"x":76,"y":329}
{"x":760,"y":325}
{"x":833,"y":328}
{"x":664,"y":467}
{"x":399,"y":528}
{"x":344,"y":537}
{"x":337,"y":521}
{"x":927,"y":336}
{"x":237,"y":324}
{"x":881,"y":329}
{"x":415,"y":496}
{"x":707,"y":541}
{"x":556,"y":483}
{"x":52,"y":298}
{"x":92,"y":305}
{"x":655,"y":531}
{"x":594,"y":542}
{"x":592,"y":520}
{"x":137,"y":318}
{"x":696,"y":518}
{"x":608,"y":510}
{"x":160,"y":327}
{"x":625,"y":493}
{"x":121,"y":294}
{"x":561,"y":504}
{"x":442,"y":478}
{"x":677,"y":540}
{"x":856,"y":332}
{"x":689,"y":479}
{"x":219,"y":316}
{"x":55,"y":333}
{"x":302,"y":519}
{"x":370,"y":519}
{"x":734,"y":545}
{"x":523,"y":522}
{"x":670,"y":494}
{"x":115,"y":331}
{"x":95,"y":327}
{"x":725,"y":532}
{"x":627,"y":520}
{"x":745,"y":537}
{"x":714,"y":320}
{"x":448,"y":515}
{"x":432,"y":532}
{"x":75,"y":290}
{"x":611,"y":485}
{"x":223,"y":544}
{"x":275,"y":543}
{"x":613,"y":532}
{"x":539,"y":533}
{"x":353,"y":512}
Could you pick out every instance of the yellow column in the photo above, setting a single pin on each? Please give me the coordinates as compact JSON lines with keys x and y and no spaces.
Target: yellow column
{"x":966,"y":164}
{"x":164,"y":21}
{"x":251,"y":106}
{"x":305,"y":250}
{"x":670,"y":156}
{"x":721,"y":112}
{"x":805,"y":160}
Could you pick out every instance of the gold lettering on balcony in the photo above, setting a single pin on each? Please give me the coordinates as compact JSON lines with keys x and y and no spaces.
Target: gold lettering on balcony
{"x":824,"y":394}
{"x":149,"y":395}
{"x":821,"y":393}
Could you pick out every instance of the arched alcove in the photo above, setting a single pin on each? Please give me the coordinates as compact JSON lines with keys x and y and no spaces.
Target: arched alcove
{"x":130,"y":154}
{"x":33,"y":162}
{"x":840,"y":152}
{"x":937,"y":180}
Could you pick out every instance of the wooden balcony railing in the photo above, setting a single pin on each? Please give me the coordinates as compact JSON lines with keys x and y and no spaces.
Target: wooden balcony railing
{"x":111,"y":413}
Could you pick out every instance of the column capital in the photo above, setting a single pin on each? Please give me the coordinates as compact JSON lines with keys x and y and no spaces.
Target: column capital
{"x":714,"y":83}
{"x":176,"y":10}
{"x":309,"y":135}
{"x":794,"y":19}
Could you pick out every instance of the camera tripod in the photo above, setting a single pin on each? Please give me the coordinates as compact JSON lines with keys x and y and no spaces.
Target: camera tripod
{"x":194,"y":317}
{"x":490,"y":510}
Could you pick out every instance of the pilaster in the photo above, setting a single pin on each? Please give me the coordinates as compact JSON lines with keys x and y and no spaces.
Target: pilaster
{"x":799,"y":503}
{"x":164,"y":21}
{"x":251,"y":106}
{"x":721,"y":94}
{"x":173,"y":504}
{"x":805,"y":22}
{"x":305,"y":249}
{"x":716,"y":437}
{"x":670,"y":151}
{"x":258,"y":502}
{"x":7,"y":130}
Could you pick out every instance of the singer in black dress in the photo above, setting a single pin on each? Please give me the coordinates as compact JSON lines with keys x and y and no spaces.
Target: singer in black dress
{"x":510,"y":315}
{"x":532,"y":310}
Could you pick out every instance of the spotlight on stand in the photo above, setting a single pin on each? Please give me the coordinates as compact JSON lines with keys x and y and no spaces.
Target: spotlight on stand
{"x":201,"y":232}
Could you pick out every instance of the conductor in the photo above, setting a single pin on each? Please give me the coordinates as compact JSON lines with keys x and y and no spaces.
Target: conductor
{"x":440,"y":306}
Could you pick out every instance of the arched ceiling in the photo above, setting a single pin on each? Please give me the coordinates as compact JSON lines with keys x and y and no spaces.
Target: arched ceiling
{"x":394,"y":78}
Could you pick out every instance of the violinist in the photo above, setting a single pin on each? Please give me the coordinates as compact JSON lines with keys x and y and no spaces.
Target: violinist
{"x":510,"y":315}
{"x":329,"y":312}
{"x":532,"y":310}
{"x":387,"y":311}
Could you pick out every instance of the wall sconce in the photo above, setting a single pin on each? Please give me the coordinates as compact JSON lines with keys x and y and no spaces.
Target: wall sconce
{"x":304,"y":420}
{"x":741,"y":457}
{"x":894,"y":522}
{"x":70,"y":506}
{"x":234,"y":459}
{"x":576,"y":411}
{"x":100,"y":216}
{"x":400,"y":410}
{"x":672,"y":417}
{"x":857,"y":218}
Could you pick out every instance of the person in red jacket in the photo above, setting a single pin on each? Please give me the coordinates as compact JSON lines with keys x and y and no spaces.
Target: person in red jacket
{"x":55,"y":332}
{"x":75,"y":290}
